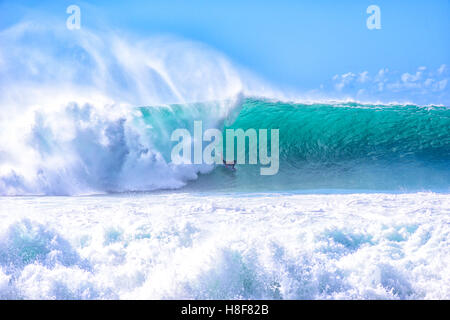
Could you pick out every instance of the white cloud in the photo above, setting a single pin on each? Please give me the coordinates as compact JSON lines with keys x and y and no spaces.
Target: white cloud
{"x":442,"y":84}
{"x":380,"y":86}
{"x":407,"y":77}
{"x":429,"y":82}
{"x":421,"y":85}
{"x":381,"y":74}
{"x":363,"y":76}
{"x":348,"y":76}
{"x":344,"y":79}
{"x":339,"y":86}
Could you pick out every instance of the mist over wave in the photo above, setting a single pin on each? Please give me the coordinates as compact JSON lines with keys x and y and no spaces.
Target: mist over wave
{"x":68,"y":100}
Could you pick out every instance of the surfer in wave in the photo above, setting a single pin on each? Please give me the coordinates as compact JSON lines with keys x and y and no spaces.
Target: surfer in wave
{"x":230,"y":164}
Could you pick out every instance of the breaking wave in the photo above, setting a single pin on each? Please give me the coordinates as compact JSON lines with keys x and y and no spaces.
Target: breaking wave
{"x":92,"y":113}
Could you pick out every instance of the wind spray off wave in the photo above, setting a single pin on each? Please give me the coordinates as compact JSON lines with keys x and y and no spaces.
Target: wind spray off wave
{"x":68,"y":106}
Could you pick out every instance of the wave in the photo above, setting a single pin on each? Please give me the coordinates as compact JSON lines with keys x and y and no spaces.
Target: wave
{"x":92,"y":112}
{"x":344,"y":146}
{"x":68,"y":102}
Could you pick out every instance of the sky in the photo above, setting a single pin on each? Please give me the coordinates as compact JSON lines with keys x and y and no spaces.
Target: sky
{"x":306,"y":45}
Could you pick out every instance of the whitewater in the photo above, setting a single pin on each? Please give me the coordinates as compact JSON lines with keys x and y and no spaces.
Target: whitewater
{"x":203,"y":246}
{"x":91,"y":206}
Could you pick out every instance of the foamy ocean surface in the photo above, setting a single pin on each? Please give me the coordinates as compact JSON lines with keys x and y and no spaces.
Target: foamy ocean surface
{"x":248,"y":246}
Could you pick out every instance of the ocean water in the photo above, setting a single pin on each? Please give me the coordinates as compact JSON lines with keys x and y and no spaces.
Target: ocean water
{"x":91,"y":206}
{"x":226,"y":246}
{"x":359,"y":210}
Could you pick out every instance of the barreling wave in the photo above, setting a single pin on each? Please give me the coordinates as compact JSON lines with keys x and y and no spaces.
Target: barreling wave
{"x":69,"y":101}
{"x":89,"y":113}
{"x":347,"y":146}
{"x":322,"y":147}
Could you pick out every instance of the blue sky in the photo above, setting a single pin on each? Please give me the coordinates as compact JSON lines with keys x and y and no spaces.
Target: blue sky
{"x":300,"y":44}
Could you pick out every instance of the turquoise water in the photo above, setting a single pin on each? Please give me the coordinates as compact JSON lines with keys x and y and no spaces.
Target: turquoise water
{"x":327,"y":146}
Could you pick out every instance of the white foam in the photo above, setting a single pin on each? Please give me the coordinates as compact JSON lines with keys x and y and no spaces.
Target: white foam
{"x":255,"y":246}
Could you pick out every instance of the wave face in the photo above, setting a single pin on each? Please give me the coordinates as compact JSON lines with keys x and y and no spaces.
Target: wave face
{"x":322,"y":147}
{"x":347,"y":146}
